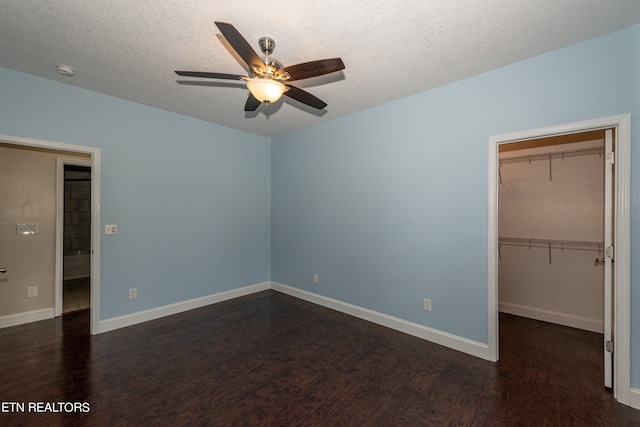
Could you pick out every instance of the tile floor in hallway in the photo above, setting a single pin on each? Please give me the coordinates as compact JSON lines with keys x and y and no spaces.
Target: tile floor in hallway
{"x":76,"y":295}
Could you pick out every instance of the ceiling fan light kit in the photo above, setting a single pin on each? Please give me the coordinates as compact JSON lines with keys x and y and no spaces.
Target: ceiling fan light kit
{"x":266,"y":90}
{"x":265,"y":83}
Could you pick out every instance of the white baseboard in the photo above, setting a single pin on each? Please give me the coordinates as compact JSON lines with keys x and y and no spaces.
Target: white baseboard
{"x":443,"y":338}
{"x":26,"y":317}
{"x":634,"y":398}
{"x":564,"y":319}
{"x":179,"y":307}
{"x":448,"y":340}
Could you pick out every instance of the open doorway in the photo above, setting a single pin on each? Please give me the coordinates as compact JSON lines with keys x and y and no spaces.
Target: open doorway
{"x":551,"y":229}
{"x":76,"y":264}
{"x":554,"y":207}
{"x":621,"y":235}
{"x":20,"y":269}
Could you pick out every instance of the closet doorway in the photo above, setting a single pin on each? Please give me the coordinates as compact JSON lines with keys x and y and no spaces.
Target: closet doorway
{"x":555,"y":205}
{"x":551,"y":248}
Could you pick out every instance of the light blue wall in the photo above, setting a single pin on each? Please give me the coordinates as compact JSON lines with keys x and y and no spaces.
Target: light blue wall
{"x":191,"y":199}
{"x":389,"y":206}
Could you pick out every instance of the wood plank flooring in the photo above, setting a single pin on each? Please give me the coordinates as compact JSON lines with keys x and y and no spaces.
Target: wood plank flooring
{"x":272,"y":360}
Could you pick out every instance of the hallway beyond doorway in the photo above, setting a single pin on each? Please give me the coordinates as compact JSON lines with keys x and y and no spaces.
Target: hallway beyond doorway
{"x":77,"y":295}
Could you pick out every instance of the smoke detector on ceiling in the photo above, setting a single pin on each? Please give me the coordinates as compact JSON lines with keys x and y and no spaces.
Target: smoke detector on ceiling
{"x":65,"y":70}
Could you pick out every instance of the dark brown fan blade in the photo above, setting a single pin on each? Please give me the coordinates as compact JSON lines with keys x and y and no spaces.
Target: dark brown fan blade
{"x":241,"y":46}
{"x":207,"y":75}
{"x":305,"y":97}
{"x":252,"y":103}
{"x":312,"y":69}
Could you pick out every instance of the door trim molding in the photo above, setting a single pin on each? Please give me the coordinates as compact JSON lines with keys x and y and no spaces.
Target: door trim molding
{"x":95,"y":209}
{"x":622,"y":269}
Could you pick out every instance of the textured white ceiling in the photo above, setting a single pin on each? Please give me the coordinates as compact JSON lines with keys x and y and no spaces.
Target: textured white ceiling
{"x":130,"y":49}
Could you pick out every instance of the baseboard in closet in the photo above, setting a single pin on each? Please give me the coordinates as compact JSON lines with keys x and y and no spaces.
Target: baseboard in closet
{"x":563,"y":319}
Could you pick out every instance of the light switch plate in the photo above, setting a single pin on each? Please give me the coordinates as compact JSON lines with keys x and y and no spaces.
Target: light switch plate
{"x":111,"y":229}
{"x":26,"y":228}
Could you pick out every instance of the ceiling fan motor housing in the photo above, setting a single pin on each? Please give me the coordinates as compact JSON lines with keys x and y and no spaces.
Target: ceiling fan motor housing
{"x":267,"y":45}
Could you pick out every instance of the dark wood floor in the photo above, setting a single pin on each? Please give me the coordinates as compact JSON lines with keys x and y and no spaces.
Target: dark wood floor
{"x":269,"y":359}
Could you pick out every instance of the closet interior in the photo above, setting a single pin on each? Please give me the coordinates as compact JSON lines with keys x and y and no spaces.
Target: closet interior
{"x":551,"y":229}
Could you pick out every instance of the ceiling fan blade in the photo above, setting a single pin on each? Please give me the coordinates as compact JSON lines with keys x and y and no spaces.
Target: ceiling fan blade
{"x":305,"y":97}
{"x":208,"y":75}
{"x":252,"y":103}
{"x":241,"y":46}
{"x":306,"y":70}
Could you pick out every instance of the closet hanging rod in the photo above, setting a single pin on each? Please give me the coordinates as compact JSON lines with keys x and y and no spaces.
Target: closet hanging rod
{"x":552,"y":243}
{"x":590,"y":151}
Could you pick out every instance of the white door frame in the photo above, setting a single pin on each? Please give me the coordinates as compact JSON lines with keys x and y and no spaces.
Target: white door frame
{"x":60,"y":164}
{"x":95,"y":213}
{"x":622,"y":315}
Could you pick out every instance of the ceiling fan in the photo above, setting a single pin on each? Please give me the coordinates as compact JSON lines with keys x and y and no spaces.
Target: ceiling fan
{"x":268,"y":79}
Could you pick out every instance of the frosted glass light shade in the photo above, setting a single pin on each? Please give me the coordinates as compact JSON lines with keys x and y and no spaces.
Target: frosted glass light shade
{"x":266,"y":90}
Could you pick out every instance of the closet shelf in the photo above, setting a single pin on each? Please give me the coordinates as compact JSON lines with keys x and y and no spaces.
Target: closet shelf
{"x":528,"y":158}
{"x":552,"y":243}
{"x":549,"y":244}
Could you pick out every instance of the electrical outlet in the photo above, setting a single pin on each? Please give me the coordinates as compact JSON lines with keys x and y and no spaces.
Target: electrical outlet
{"x":315,"y":278}
{"x":427,"y":304}
{"x":133,"y":293}
{"x":32,"y":291}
